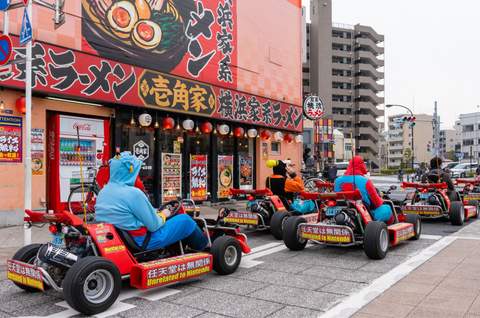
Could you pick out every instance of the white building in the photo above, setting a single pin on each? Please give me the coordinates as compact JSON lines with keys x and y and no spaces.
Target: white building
{"x":343,"y":146}
{"x":468,"y":127}
{"x":448,"y":140}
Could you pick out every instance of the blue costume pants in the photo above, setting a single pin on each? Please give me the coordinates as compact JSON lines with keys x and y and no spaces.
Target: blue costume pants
{"x":179,"y":228}
{"x":382,"y":213}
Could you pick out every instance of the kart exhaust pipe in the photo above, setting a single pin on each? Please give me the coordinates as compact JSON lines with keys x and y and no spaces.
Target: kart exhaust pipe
{"x":54,"y":255}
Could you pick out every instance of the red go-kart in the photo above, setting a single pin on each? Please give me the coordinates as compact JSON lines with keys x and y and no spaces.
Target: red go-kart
{"x":470,"y":192}
{"x":264,"y":211}
{"x":345,"y":221}
{"x":93,"y":259}
{"x":431,"y":201}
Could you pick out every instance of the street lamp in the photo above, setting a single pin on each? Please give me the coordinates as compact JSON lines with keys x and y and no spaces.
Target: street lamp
{"x":411,"y":127}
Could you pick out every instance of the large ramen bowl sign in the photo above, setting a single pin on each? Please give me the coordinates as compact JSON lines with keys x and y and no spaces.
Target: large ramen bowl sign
{"x":313,"y":108}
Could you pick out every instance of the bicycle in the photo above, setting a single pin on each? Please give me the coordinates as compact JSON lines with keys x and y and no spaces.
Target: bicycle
{"x":90,"y":192}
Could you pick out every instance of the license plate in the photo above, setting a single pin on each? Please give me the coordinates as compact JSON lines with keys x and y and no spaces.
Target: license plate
{"x":25,"y":274}
{"x":333,"y":210}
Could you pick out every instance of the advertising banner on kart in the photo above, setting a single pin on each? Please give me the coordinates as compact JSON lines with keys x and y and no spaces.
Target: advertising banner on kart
{"x":241,"y":217}
{"x":198,"y":177}
{"x":326,"y":233}
{"x":423,"y":210}
{"x":24,"y":274}
{"x":245,"y":171}
{"x":171,"y":176}
{"x":10,"y":139}
{"x":225,"y":176}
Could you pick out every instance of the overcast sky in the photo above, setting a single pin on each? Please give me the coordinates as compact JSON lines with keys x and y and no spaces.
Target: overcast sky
{"x":432,"y":51}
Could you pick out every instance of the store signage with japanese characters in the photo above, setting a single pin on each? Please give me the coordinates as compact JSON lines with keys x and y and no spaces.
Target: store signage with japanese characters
{"x":10,"y":139}
{"x":171,"y":176}
{"x":246,"y":172}
{"x":198,"y":177}
{"x":225,"y":176}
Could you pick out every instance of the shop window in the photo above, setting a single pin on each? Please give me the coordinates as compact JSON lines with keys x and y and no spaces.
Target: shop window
{"x":275,"y":148}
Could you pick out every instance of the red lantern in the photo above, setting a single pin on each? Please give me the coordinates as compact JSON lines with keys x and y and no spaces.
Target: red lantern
{"x":20,"y":105}
{"x":238,"y":132}
{"x":206,"y":127}
{"x":288,"y":138}
{"x":168,"y":123}
{"x":265,"y":134}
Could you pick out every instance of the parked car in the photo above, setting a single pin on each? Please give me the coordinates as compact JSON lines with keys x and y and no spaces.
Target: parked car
{"x":341,"y":168}
{"x":450,"y":165}
{"x":463,"y":169}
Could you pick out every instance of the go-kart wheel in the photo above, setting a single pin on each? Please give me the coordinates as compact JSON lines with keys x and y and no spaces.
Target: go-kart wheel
{"x":227,"y":255}
{"x":376,"y":241}
{"x":417,"y":224}
{"x":92,"y":285}
{"x":475,"y":203}
{"x":277,"y":223}
{"x":291,"y":236}
{"x":27,"y":254}
{"x":457,"y":213}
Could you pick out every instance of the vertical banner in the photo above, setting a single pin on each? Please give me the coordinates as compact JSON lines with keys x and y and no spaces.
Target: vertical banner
{"x":225,"y":176}
{"x":198,"y":177}
{"x":38,"y":135}
{"x":245,"y":171}
{"x":171,"y":176}
{"x":10,"y":139}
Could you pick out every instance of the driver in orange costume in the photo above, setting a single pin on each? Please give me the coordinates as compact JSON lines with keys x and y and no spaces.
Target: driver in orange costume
{"x":128,"y":208}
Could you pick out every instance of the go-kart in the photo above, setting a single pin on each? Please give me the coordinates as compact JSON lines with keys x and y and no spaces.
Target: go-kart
{"x":265,"y":211}
{"x":431,"y":201}
{"x":470,"y":192}
{"x":345,"y":221}
{"x":88,"y":261}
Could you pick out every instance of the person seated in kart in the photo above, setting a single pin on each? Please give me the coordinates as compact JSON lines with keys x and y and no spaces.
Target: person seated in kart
{"x":354,"y":178}
{"x":126,"y":207}
{"x":284,"y":181}
{"x":438,"y":175}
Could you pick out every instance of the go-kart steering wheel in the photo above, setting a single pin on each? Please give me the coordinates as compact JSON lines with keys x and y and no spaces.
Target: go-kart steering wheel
{"x":174,"y":207}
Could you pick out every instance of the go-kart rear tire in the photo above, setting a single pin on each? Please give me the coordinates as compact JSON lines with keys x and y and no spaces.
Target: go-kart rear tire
{"x":290,"y":233}
{"x":27,"y":254}
{"x":417,"y":224}
{"x":457,"y":213}
{"x":376,"y":240}
{"x":92,"y":285}
{"x":475,"y":203}
{"x":227,"y":255}
{"x":276,"y":224}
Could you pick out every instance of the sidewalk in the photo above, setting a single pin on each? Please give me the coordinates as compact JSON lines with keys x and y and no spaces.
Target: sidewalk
{"x":447,"y":285}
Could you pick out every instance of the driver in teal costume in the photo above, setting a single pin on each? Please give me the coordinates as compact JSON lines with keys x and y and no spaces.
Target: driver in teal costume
{"x":126,"y":207}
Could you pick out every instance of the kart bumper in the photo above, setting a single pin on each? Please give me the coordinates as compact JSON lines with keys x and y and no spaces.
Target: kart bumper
{"x":425,"y":211}
{"x":30,"y":275}
{"x":327,"y":234}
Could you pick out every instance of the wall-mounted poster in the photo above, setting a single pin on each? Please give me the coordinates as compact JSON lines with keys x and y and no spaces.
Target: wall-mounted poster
{"x":225,"y":176}
{"x":245,"y":172}
{"x":198,"y":177}
{"x":37,"y":143}
{"x":171,"y":176}
{"x":10,"y":139}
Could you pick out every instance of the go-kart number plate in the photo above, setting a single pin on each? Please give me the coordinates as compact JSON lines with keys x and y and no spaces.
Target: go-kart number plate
{"x":326,"y":233}
{"x":25,"y":274}
{"x":333,"y":210}
{"x":241,"y":217}
{"x":424,"y":196}
{"x":472,"y":197}
{"x":424,"y":210}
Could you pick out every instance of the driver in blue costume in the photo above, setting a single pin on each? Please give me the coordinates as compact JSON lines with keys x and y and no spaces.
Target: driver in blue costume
{"x":126,"y":207}
{"x":354,"y":178}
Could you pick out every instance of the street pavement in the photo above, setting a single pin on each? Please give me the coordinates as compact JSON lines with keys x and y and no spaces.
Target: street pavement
{"x":272,"y":281}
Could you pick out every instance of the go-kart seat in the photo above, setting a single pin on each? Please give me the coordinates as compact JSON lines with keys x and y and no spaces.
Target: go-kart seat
{"x":132,"y":246}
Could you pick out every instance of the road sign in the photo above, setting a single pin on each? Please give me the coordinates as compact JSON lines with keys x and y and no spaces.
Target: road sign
{"x":26,"y":32}
{"x":5,"y":49}
{"x":25,"y":2}
{"x":4,"y":4}
{"x":459,"y":155}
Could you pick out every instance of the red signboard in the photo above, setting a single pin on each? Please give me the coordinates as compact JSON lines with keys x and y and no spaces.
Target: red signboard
{"x":10,"y":139}
{"x":66,"y":72}
{"x":198,"y":177}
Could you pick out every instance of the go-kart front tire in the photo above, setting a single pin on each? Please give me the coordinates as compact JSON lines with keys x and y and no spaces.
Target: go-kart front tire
{"x":27,"y":254}
{"x":290,"y":233}
{"x":227,"y":255}
{"x":475,"y":203}
{"x":92,"y":285}
{"x":276,"y":224}
{"x":417,"y":224}
{"x":376,"y":240}
{"x":457,"y":213}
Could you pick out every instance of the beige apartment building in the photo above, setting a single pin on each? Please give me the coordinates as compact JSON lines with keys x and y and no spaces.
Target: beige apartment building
{"x":400,"y":139}
{"x":344,"y":68}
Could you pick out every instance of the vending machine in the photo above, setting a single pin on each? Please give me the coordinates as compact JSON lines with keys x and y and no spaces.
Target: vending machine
{"x":74,"y":144}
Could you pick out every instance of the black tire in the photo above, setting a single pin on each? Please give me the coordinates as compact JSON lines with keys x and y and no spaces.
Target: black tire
{"x":276,"y":224}
{"x":88,"y":273}
{"x":475,"y":203}
{"x":376,"y":240}
{"x":27,"y":254}
{"x":90,"y":192}
{"x":417,"y":224}
{"x":227,"y":255}
{"x":457,"y":213}
{"x":290,"y":233}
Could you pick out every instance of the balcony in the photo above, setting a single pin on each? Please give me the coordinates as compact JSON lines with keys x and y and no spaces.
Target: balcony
{"x":370,"y":57}
{"x":343,"y":79}
{"x":368,"y":144}
{"x":369,"y":45}
{"x":371,"y":83}
{"x":371,"y":107}
{"x":368,"y":131}
{"x":337,"y":40}
{"x":370,"y":32}
{"x":372,"y":120}
{"x":340,"y":53}
{"x":367,"y":93}
{"x":340,"y":66}
{"x":398,"y":147}
{"x":370,"y":70}
{"x":342,"y":91}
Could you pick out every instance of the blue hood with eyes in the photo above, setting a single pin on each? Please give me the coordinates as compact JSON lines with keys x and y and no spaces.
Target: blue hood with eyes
{"x":124,"y":168}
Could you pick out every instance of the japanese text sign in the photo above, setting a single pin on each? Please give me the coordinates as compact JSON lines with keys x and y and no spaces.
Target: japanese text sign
{"x":198,"y":177}
{"x":10,"y":139}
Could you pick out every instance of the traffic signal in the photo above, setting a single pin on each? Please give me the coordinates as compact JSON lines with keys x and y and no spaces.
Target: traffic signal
{"x":410,"y":120}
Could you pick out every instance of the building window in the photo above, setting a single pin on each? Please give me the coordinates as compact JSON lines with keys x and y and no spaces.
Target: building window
{"x":468,"y":128}
{"x":468,"y":142}
{"x":275,"y":148}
